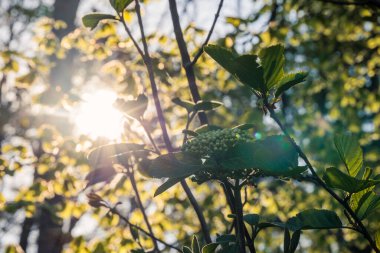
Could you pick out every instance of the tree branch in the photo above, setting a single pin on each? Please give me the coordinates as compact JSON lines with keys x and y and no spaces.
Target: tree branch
{"x":140,"y":204}
{"x":113,"y":210}
{"x":361,"y":226}
{"x":200,"y":51}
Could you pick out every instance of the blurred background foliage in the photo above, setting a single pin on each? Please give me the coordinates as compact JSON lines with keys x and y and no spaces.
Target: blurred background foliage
{"x":48,"y":61}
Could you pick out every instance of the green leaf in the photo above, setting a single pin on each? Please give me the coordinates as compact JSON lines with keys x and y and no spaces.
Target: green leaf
{"x":186,"y":249}
{"x":314,"y":219}
{"x":350,"y":152}
{"x":274,"y":156}
{"x":206,"y":105}
{"x":273,"y":60}
{"x":120,"y":5}
{"x":245,"y":126}
{"x":223,"y":56}
{"x":245,"y":68}
{"x":188,"y":105}
{"x":369,"y":202}
{"x":251,"y":219}
{"x":249,"y":72}
{"x":334,"y":178}
{"x":367,"y":173}
{"x":165,"y":186}
{"x":294,"y":241}
{"x":93,"y":19}
{"x":99,"y":175}
{"x":195,"y":245}
{"x":210,"y":248}
{"x":356,"y":197}
{"x":288,"y":81}
{"x":174,"y":165}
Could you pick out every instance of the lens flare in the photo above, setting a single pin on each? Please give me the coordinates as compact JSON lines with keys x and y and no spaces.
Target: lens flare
{"x":96,"y":116}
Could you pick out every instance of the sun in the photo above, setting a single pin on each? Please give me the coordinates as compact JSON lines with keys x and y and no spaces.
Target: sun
{"x":97,"y":117}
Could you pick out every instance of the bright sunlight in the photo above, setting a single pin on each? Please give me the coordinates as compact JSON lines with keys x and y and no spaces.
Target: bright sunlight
{"x":97,"y":117}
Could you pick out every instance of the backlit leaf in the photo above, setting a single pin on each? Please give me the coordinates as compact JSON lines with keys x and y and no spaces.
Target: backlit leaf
{"x":223,"y":56}
{"x":250,"y":73}
{"x":368,"y":203}
{"x":334,"y":178}
{"x":188,"y":105}
{"x":350,"y":152}
{"x":288,"y":81}
{"x":206,"y":105}
{"x":273,"y":60}
{"x":195,"y":245}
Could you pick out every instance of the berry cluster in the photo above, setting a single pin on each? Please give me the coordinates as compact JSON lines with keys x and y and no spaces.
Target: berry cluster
{"x":213,"y":145}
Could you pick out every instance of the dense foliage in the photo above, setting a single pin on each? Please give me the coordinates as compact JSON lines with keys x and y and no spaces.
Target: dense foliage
{"x":264,"y":139}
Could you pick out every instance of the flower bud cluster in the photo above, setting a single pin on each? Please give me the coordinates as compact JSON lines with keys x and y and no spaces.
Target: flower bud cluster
{"x":216,"y":143}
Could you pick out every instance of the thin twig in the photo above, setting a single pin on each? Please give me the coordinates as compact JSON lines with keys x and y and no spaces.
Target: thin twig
{"x":185,"y":58}
{"x":200,"y":51}
{"x":362,"y":229}
{"x":149,"y":66}
{"x":140,"y":204}
{"x":149,"y":136}
{"x":148,"y":63}
{"x":113,"y":210}
{"x":198,"y":211}
{"x":130,"y":35}
{"x":189,"y":119}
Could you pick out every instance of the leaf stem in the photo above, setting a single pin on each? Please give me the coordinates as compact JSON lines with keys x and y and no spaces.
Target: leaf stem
{"x":140,"y":204}
{"x":189,"y":119}
{"x":142,"y":122}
